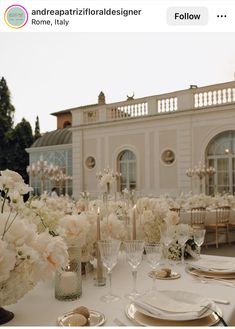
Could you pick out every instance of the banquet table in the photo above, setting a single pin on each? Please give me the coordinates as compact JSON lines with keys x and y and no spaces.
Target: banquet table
{"x":40,"y":308}
{"x":185,"y":217}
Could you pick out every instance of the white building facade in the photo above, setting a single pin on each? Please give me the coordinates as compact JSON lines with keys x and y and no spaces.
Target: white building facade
{"x":153,"y":140}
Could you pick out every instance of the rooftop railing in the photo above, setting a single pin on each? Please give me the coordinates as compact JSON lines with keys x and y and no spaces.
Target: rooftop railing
{"x":193,"y":98}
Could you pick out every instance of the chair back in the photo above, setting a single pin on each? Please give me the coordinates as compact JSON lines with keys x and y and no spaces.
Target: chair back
{"x":198,"y":216}
{"x":222,"y":214}
{"x":177,"y":210}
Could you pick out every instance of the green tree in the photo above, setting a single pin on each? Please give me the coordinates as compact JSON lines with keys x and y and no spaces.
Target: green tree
{"x":37,"y":133}
{"x":6,"y":123}
{"x":21,"y":138}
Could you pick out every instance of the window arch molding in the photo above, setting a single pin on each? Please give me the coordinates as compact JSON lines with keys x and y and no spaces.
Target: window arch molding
{"x":116,"y":154}
{"x":220,"y":154}
{"x":210,"y":135}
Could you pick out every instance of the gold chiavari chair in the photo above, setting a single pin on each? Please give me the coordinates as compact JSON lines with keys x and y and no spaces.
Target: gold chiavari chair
{"x":177,"y":210}
{"x":221,"y":226}
{"x":198,"y":219}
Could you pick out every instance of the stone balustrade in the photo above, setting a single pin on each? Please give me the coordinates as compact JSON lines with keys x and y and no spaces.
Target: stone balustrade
{"x":194,"y":98}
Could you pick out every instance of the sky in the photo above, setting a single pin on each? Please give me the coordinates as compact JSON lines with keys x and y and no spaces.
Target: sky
{"x":50,"y":72}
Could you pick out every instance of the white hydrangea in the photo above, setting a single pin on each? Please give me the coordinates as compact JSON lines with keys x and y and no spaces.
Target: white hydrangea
{"x":7,"y":260}
{"x":53,"y":254}
{"x":72,"y":226}
{"x":112,"y":227}
{"x":20,"y":231}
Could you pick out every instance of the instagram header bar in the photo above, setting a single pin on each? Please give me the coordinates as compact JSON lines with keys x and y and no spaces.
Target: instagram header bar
{"x":117,"y":16}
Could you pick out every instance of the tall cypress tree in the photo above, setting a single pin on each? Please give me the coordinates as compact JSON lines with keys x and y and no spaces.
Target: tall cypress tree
{"x":6,"y":122}
{"x":37,"y":133}
{"x":21,"y":138}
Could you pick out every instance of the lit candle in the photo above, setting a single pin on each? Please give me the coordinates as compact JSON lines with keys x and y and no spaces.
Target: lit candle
{"x":68,"y":283}
{"x":134,"y":223}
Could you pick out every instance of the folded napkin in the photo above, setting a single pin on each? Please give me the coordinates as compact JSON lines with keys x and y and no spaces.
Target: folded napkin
{"x":173,"y":305}
{"x":218,"y":265}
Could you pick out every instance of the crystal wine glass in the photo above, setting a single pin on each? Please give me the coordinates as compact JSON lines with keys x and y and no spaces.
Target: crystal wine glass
{"x":109,"y":250}
{"x":183,"y":234}
{"x":167,"y":237}
{"x":199,"y":236}
{"x":134,"y":253}
{"x":153,"y":253}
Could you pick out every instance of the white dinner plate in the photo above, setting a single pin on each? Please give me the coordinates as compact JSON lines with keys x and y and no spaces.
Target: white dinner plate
{"x":218,"y":266}
{"x":181,"y":304}
{"x":141,"y":319}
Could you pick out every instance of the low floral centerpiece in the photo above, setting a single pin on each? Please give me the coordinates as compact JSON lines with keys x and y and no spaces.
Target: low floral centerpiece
{"x":190,"y":249}
{"x":26,"y":256}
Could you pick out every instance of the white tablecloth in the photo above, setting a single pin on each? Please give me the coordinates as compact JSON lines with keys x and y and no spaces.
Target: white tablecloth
{"x":40,"y":308}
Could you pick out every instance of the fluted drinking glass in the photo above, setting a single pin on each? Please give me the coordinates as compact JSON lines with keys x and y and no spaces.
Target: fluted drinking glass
{"x":199,"y":236}
{"x":153,"y":253}
{"x":109,"y":250}
{"x":183,"y":234}
{"x":167,"y":237}
{"x":134,"y":254}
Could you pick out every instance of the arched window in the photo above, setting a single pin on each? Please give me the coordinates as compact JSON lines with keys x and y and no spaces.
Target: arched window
{"x":127,"y":167}
{"x":220,"y":154}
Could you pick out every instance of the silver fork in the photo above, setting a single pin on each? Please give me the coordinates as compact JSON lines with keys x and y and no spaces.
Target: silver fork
{"x":204,"y":279}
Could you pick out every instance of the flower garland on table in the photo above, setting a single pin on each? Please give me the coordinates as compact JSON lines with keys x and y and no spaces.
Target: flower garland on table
{"x":26,"y":255}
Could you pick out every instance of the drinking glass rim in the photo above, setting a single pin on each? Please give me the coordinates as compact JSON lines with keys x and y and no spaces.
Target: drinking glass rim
{"x":152,"y":244}
{"x":108,"y":241}
{"x":129,"y":241}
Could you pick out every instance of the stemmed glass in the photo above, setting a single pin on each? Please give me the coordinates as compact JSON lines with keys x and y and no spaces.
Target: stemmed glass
{"x":167,"y":236}
{"x":199,"y":236}
{"x":134,"y":253}
{"x":153,"y":253}
{"x":109,"y":250}
{"x":183,"y":234}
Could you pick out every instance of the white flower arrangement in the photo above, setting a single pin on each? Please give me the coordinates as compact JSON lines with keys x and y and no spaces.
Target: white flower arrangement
{"x":190,"y":250}
{"x":113,"y":228}
{"x":62,"y":217}
{"x":107,"y":178}
{"x":198,"y":200}
{"x":25,"y":255}
{"x":223,"y":200}
{"x":151,"y":214}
